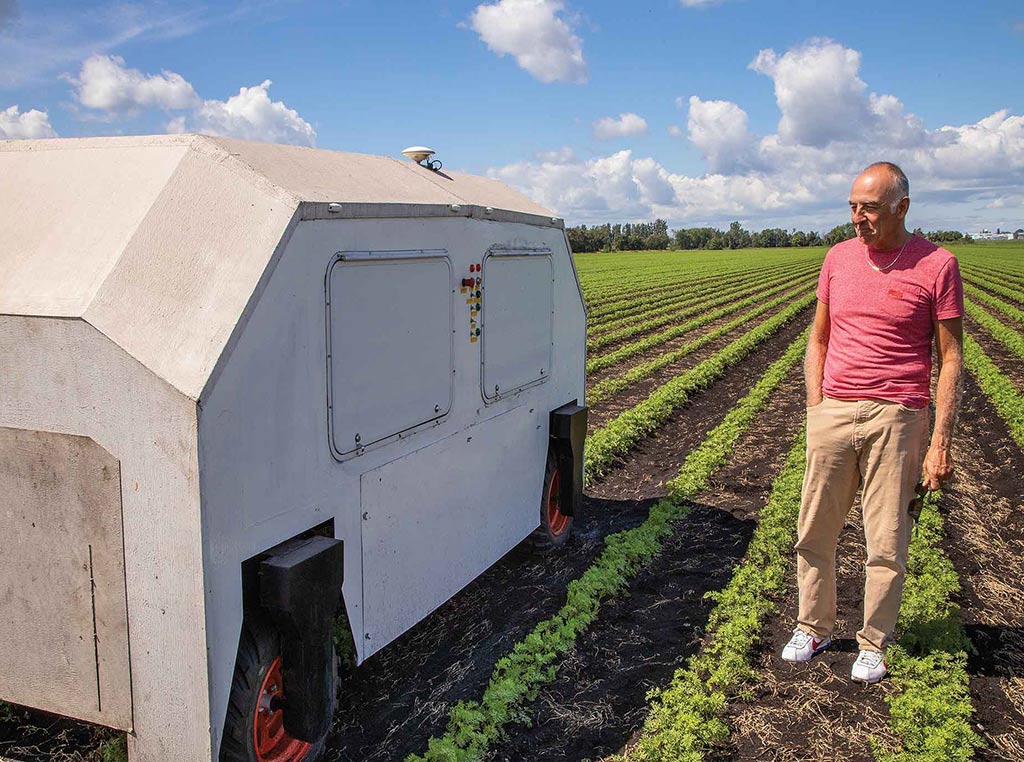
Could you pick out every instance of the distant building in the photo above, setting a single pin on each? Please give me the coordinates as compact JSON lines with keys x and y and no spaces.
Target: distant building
{"x":1018,"y":234}
{"x":999,"y":235}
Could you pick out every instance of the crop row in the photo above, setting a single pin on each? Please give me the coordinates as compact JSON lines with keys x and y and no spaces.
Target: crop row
{"x":1003,"y":278}
{"x":931,"y":708}
{"x":719,"y":297}
{"x":609,"y":386}
{"x":644,"y":309}
{"x":474,"y":726}
{"x":1004,"y":395}
{"x":634,"y":348}
{"x":994,"y":301}
{"x":621,"y":434}
{"x":679,"y":269}
{"x":1001,"y":332}
{"x":645,"y":294}
{"x":1007,"y":293}
{"x":685,"y":718}
{"x":930,"y":711}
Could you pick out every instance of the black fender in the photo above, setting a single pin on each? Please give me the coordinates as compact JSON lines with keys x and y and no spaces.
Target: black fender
{"x":568,"y":429}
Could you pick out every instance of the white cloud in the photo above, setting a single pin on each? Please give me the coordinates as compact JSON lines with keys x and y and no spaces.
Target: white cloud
{"x":29,"y":124}
{"x":534,"y":34}
{"x":698,"y":3}
{"x":801,"y":174}
{"x":818,"y":91}
{"x":251,"y":115}
{"x":105,"y":83}
{"x":721,"y":130}
{"x":675,"y":131}
{"x":626,"y":125}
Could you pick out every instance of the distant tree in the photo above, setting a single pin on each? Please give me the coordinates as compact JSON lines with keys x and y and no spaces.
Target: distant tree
{"x":840,"y":233}
{"x":798,"y":239}
{"x":736,"y":237}
{"x":813,"y":239}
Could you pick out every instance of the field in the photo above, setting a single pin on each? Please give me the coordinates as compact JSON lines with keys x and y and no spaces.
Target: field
{"x":655,"y":637}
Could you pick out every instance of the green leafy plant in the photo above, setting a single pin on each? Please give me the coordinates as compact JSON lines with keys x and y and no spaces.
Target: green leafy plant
{"x":473,"y":726}
{"x":621,"y":434}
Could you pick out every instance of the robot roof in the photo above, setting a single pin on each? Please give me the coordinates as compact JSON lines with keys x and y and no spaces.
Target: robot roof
{"x":160,"y":242}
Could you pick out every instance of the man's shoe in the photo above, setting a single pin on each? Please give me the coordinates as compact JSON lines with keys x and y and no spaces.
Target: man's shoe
{"x":869,"y":668}
{"x":802,"y":646}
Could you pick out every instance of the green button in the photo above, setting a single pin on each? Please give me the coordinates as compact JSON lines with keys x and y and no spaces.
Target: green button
{"x":477,"y":331}
{"x":477,"y":308}
{"x":477,"y":294}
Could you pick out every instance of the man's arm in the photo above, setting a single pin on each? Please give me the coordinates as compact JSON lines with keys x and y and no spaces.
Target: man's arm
{"x":949,"y":340}
{"x":817,"y":347}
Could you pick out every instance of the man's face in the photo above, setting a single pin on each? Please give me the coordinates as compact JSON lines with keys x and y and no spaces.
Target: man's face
{"x":871,"y":212}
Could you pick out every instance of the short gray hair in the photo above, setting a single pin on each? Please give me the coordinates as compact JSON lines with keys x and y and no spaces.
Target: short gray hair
{"x":899,"y":187}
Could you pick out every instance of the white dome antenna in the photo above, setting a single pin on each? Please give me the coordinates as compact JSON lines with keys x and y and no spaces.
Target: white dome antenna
{"x":421,"y":155}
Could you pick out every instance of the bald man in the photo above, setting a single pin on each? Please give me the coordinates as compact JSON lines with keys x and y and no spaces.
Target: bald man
{"x":884,"y":297}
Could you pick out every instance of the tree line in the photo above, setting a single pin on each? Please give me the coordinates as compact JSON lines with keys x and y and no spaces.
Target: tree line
{"x":647,"y":236}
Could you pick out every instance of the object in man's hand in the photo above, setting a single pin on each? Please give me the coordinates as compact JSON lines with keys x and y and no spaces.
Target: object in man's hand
{"x":915,"y":506}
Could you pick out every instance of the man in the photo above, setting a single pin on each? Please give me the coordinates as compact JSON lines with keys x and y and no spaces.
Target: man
{"x":883,"y":298}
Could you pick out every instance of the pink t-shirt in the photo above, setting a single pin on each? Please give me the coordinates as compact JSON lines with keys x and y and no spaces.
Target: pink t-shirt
{"x":881,"y":333}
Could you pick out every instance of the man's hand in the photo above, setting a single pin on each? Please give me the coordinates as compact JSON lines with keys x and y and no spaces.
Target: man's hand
{"x":938,"y":467}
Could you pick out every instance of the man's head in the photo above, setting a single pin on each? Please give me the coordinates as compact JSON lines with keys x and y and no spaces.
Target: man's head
{"x":879,"y":201}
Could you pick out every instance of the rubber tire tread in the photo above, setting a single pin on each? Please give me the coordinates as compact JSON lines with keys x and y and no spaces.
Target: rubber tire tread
{"x":258,"y":646}
{"x":541,"y":540}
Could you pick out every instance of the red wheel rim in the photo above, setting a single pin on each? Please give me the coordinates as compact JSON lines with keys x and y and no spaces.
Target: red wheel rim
{"x":557,"y":521}
{"x":270,"y":740}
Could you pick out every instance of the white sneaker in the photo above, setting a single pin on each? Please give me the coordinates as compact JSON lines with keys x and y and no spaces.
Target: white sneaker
{"x":869,"y":668}
{"x":802,"y":646}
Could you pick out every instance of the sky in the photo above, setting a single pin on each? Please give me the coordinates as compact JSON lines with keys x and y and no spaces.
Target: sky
{"x":699,"y":112}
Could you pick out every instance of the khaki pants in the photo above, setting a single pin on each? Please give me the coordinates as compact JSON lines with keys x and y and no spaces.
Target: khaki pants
{"x":879,"y":446}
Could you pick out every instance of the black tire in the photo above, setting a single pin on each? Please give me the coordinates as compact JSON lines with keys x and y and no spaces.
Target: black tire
{"x":258,"y":649}
{"x":551,"y":535}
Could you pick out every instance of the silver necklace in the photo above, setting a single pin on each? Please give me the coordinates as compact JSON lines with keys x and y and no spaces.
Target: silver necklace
{"x":878,"y":269}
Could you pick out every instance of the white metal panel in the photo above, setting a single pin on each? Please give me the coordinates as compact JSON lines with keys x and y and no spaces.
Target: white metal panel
{"x":64,"y":627}
{"x":390,"y":345}
{"x":517,"y":314}
{"x":65,"y":376}
{"x":438,"y":517}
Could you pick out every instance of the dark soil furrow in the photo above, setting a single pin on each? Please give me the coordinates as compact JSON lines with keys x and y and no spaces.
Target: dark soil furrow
{"x":598,"y":701}
{"x":985,"y":541}
{"x":1011,"y":365}
{"x":658,"y":458}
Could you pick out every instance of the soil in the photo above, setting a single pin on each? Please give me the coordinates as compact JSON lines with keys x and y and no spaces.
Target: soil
{"x":814,"y":712}
{"x":657,"y":458}
{"x":402,"y":696}
{"x":598,"y":701}
{"x":985,"y":541}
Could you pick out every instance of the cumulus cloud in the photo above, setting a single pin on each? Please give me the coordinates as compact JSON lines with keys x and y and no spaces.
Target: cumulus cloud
{"x":251,"y":115}
{"x":802,"y":173}
{"x":28,"y":124}
{"x":533,"y":32}
{"x":106,"y":84}
{"x":721,"y":130}
{"x":625,"y":126}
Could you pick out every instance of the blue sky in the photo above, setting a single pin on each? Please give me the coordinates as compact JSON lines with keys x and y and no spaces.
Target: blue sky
{"x":712,"y":111}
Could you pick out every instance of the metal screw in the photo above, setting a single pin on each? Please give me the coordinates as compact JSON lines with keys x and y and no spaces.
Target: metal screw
{"x":495,"y":388}
{"x":357,"y":438}
{"x":367,"y":636}
{"x":437,"y":408}
{"x":366,"y":516}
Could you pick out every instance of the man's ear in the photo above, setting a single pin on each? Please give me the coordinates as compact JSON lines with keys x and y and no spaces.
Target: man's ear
{"x":903,"y":207}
